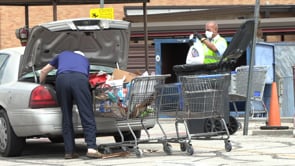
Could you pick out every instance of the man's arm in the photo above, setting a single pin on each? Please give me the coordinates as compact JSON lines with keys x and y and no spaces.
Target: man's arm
{"x":204,"y":40}
{"x":219,"y":47}
{"x":44,"y":71}
{"x":210,"y":45}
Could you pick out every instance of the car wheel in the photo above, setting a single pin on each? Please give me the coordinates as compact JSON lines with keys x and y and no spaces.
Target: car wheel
{"x":10,"y":144}
{"x":127,"y":136}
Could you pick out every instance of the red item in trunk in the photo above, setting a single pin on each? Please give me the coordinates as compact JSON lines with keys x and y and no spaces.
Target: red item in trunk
{"x":95,"y":79}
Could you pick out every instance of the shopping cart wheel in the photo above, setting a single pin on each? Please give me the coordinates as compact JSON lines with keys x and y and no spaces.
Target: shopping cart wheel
{"x":208,"y":125}
{"x":124,"y":148}
{"x":182,"y":147}
{"x":227,"y":145}
{"x":107,"y":150}
{"x":218,"y":125}
{"x":189,"y":149}
{"x":138,"y":152}
{"x":167,"y":148}
{"x":233,"y":125}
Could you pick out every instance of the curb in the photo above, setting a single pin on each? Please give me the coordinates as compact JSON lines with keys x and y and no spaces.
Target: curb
{"x":284,"y":132}
{"x":255,"y":124}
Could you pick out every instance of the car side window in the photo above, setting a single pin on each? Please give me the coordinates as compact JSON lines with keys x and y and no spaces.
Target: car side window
{"x":3,"y":60}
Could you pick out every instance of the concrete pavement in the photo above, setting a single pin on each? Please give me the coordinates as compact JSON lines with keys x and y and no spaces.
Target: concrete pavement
{"x":256,"y":148}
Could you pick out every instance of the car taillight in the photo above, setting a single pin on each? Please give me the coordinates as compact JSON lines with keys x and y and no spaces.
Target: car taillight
{"x":42,"y":98}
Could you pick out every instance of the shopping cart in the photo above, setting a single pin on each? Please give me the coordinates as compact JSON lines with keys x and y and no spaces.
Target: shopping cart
{"x":134,"y":113}
{"x":141,"y":103}
{"x":170,"y":104}
{"x":107,"y":104}
{"x":239,"y":85}
{"x":234,"y":51}
{"x":203,"y":97}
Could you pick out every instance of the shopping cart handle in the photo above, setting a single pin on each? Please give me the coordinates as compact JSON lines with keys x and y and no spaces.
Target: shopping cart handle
{"x":211,"y":76}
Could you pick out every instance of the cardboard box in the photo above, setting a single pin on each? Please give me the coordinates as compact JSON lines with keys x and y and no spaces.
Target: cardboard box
{"x":119,"y":74}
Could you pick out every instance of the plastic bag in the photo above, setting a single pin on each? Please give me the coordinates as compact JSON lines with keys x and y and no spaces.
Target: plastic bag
{"x":195,"y":53}
{"x":118,"y":82}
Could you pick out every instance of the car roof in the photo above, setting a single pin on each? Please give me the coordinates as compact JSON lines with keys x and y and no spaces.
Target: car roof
{"x":17,"y":50}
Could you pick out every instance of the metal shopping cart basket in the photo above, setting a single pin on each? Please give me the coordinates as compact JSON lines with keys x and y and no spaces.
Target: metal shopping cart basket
{"x":141,"y":102}
{"x":133,"y":114}
{"x":238,"y":89}
{"x":169,"y":102}
{"x":203,"y":97}
{"x":106,"y":104}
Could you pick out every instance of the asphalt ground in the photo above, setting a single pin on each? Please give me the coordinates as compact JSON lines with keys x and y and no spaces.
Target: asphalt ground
{"x":274,"y":147}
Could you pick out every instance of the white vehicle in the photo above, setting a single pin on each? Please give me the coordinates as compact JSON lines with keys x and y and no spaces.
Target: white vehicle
{"x":30,"y":110}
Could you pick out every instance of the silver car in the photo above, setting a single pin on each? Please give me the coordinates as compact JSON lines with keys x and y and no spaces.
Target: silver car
{"x":30,"y":110}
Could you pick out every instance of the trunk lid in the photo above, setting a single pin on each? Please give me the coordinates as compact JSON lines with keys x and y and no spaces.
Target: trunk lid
{"x":105,"y":42}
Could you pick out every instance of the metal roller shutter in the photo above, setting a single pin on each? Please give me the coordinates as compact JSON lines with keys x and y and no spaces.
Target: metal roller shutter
{"x":136,"y":58}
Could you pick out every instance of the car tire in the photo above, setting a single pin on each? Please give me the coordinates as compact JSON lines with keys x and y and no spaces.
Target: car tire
{"x":127,"y":136}
{"x":10,"y":144}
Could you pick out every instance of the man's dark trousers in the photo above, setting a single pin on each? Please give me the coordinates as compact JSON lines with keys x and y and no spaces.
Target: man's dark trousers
{"x":70,"y":87}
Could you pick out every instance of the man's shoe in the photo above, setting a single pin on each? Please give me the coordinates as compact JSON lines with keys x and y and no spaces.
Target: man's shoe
{"x":94,"y":155}
{"x":71,"y":155}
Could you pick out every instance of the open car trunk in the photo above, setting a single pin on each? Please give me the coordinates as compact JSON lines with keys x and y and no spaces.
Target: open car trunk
{"x":104,"y":43}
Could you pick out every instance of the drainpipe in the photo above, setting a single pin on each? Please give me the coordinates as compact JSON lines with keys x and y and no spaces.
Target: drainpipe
{"x":101,"y":3}
{"x":27,"y":16}
{"x":145,"y":38}
{"x":54,"y":8}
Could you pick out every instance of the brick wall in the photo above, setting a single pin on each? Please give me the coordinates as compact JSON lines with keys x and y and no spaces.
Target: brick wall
{"x":12,"y":17}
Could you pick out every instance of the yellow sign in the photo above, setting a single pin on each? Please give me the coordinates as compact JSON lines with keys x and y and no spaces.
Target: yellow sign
{"x":107,"y":13}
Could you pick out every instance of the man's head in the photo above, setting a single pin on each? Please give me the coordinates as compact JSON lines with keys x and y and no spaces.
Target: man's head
{"x":211,"y":29}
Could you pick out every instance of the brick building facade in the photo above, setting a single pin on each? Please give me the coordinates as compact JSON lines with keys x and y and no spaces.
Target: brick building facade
{"x":12,"y":17}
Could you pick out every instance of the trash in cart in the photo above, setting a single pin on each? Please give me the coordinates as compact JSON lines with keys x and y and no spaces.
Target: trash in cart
{"x":138,"y":104}
{"x":107,"y":103}
{"x":109,"y":93}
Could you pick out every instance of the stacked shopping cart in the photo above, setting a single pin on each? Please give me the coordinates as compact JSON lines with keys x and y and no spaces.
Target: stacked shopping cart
{"x":239,"y":88}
